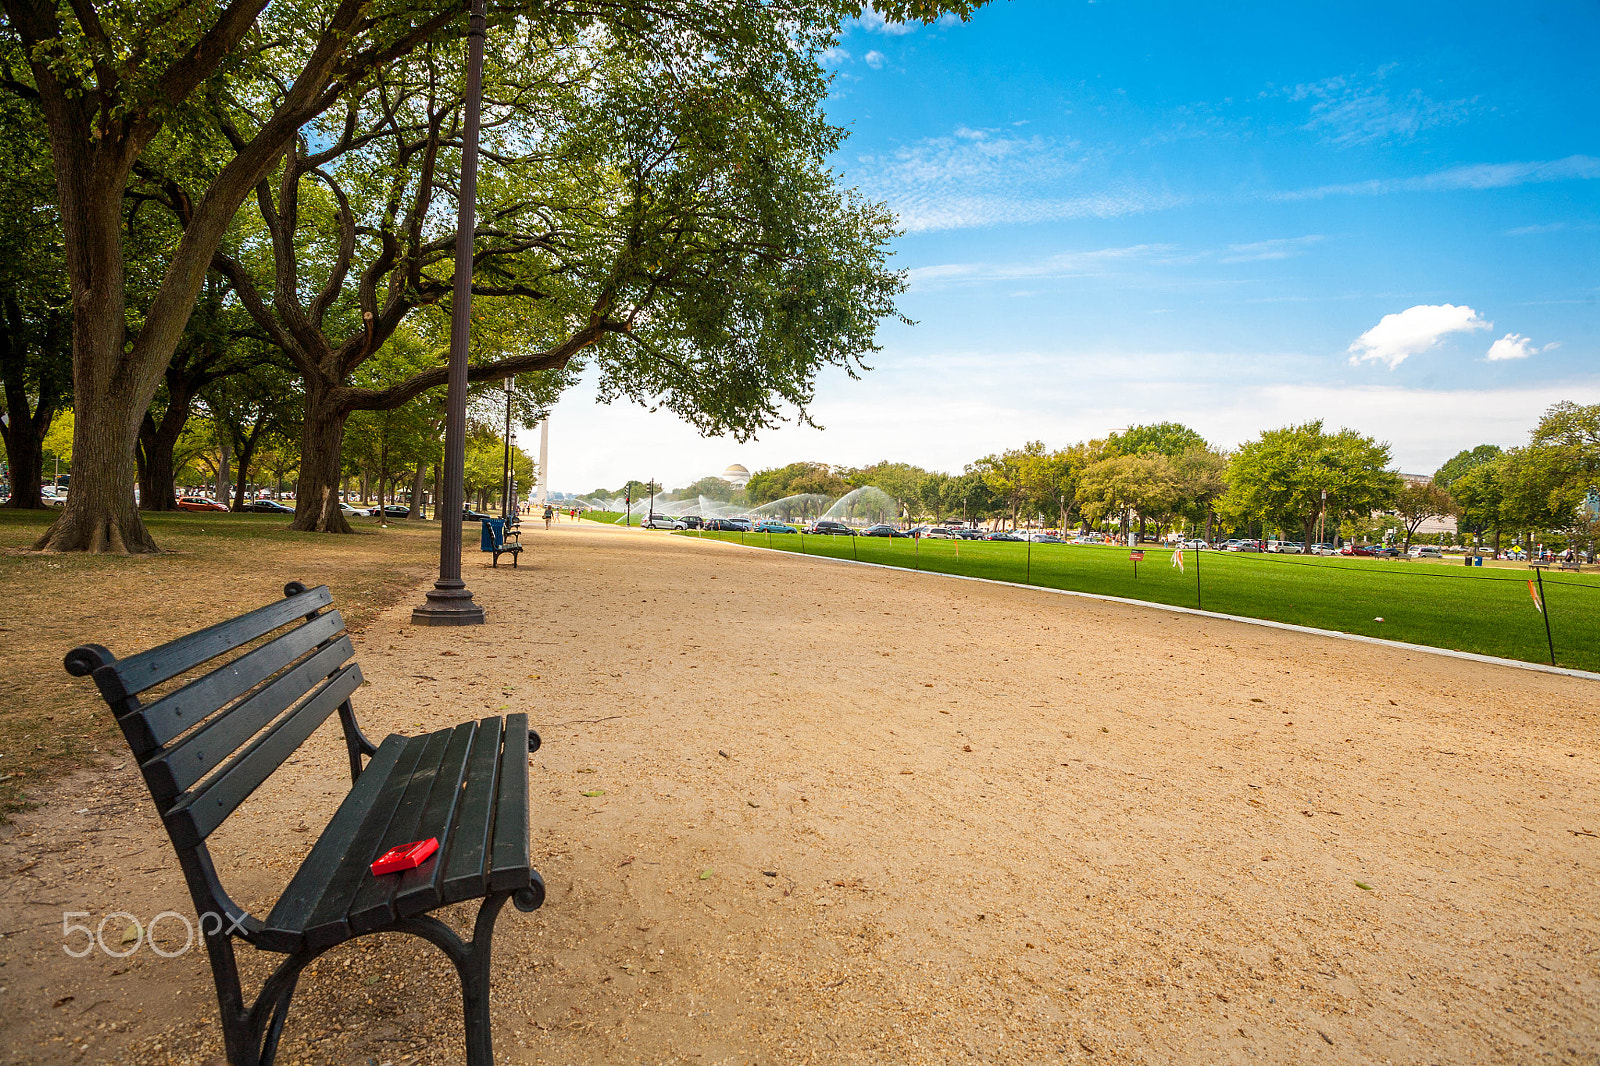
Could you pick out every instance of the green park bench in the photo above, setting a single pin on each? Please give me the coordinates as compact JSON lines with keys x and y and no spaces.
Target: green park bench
{"x":205,"y":746}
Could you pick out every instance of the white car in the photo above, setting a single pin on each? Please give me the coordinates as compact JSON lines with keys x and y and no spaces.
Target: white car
{"x":661,"y":521}
{"x":1425,"y":551}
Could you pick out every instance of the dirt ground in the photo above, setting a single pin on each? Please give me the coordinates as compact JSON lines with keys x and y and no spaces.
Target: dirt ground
{"x":845,"y":815}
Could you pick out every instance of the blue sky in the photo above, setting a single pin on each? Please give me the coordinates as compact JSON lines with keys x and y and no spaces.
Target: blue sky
{"x":1235,"y":216}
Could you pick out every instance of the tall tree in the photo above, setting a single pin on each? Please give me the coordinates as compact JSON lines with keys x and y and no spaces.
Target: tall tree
{"x":1283,"y":476}
{"x":35,"y":309}
{"x":111,"y":80}
{"x":1416,"y":503}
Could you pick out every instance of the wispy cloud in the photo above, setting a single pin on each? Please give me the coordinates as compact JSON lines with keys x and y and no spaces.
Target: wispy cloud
{"x":1474,"y":176}
{"x":980,"y":178}
{"x":873,"y":59}
{"x":1280,"y":248}
{"x":1358,"y":109}
{"x":832,"y":57}
{"x":1066,"y":265}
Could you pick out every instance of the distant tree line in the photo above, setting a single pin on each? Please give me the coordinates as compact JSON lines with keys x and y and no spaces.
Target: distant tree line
{"x":1301,"y":482}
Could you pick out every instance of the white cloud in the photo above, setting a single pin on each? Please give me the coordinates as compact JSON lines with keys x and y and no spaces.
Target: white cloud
{"x":1475,"y":176}
{"x":834,"y":56}
{"x":1516,"y":346}
{"x":1416,"y":329}
{"x":1280,"y":248}
{"x":873,"y":22}
{"x":873,"y":59}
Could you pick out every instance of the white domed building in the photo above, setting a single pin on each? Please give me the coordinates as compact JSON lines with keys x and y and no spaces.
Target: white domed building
{"x":736,"y":475}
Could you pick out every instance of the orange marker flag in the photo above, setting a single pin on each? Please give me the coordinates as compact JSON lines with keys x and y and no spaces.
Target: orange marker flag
{"x":1535,"y":594}
{"x":1177,"y":560}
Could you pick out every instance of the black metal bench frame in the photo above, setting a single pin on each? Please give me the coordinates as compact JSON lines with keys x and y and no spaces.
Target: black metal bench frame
{"x":206,"y":746}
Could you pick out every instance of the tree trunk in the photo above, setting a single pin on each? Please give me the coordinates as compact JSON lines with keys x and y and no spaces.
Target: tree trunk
{"x":157,"y":473}
{"x":25,"y":454}
{"x":417,"y":484}
{"x":224,"y":477}
{"x":27,"y":418}
{"x":100,"y":514}
{"x":316,"y":505}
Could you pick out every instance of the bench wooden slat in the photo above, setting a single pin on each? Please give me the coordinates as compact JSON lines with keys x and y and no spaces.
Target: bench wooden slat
{"x":150,"y":727}
{"x":133,"y":675}
{"x":372,"y":905}
{"x":195,"y":756}
{"x":417,"y":890}
{"x":283,"y":929}
{"x":464,"y":869}
{"x":508,"y":863}
{"x":329,"y":922}
{"x":193,"y":818}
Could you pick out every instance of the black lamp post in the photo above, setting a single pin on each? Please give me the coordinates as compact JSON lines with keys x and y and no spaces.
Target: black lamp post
{"x":505,"y":477}
{"x":449,"y":602}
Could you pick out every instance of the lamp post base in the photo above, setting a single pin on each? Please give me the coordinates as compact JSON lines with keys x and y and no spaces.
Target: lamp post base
{"x":449,"y":604}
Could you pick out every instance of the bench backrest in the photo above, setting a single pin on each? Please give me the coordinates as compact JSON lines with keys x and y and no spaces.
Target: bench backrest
{"x":206,"y":746}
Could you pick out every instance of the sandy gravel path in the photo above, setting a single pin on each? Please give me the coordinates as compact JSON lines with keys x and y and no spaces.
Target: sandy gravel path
{"x":854,"y":815}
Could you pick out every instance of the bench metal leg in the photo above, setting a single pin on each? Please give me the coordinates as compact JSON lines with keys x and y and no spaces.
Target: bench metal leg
{"x":251,"y":1036}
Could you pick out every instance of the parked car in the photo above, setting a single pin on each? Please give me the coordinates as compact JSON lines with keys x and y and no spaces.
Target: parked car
{"x":1045,"y":538}
{"x":774,"y":527}
{"x":1324,"y":549}
{"x":940,"y":533}
{"x":827,"y":527}
{"x":469,"y":515}
{"x":348,"y":511}
{"x":690,"y":521}
{"x":393,"y":510}
{"x":265,"y":507}
{"x":1386,"y":552}
{"x":883,"y":530}
{"x":1284,"y":547}
{"x":1357,"y":549}
{"x":1004,"y":534}
{"x":1426,"y":551}
{"x":199,"y":503}
{"x":662,"y":521}
{"x":969,"y":534}
{"x":1196,"y":544}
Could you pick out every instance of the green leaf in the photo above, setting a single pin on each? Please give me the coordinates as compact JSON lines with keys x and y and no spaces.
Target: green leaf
{"x":705,"y":875}
{"x":595,"y":792}
{"x":1363,"y":886}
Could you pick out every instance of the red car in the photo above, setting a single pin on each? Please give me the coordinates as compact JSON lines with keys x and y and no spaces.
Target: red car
{"x":199,"y":503}
{"x":1356,"y":549}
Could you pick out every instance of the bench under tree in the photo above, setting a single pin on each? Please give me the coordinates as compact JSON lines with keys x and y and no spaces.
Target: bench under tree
{"x":207,"y":744}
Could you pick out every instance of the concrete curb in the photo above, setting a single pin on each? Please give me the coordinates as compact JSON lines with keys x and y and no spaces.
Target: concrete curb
{"x":1397,"y":645}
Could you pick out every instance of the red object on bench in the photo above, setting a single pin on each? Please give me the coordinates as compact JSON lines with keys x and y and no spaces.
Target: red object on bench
{"x":405,"y":856}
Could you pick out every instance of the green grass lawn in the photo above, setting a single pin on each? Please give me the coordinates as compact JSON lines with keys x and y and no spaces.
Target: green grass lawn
{"x":607,"y":516}
{"x":1485,"y":610}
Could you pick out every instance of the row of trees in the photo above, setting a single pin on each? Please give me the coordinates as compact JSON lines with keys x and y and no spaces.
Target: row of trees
{"x":264,"y":193}
{"x":1303,"y":482}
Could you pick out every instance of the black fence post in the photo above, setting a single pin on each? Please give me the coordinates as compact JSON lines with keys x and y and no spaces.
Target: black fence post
{"x":1544,"y":609}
